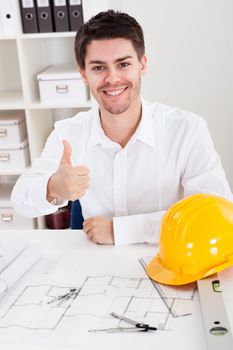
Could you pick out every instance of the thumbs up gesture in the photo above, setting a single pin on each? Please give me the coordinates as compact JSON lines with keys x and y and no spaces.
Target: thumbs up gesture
{"x":68,"y":182}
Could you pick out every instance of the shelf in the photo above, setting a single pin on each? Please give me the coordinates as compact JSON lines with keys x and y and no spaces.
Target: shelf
{"x":48,"y":35}
{"x":13,"y":171}
{"x":11,"y":100}
{"x":7,"y":37}
{"x":38,"y":36}
{"x":38,"y":105}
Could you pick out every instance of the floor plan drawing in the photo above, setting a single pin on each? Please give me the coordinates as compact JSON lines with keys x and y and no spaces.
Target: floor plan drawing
{"x":178,"y":301}
{"x":49,"y":306}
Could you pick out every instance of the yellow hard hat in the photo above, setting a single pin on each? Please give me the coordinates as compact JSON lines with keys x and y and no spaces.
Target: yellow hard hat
{"x":196,"y":240}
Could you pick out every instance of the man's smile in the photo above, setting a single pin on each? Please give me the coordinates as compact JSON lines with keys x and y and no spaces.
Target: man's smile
{"x":112,"y":92}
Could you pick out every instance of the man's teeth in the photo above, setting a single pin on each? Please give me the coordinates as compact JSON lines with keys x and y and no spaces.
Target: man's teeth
{"x":114,"y":92}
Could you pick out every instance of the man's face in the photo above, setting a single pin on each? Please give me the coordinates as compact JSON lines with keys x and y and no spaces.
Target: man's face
{"x":113,"y":73}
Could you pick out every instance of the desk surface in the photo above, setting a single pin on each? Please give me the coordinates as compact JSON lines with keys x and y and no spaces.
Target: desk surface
{"x":117,"y":260}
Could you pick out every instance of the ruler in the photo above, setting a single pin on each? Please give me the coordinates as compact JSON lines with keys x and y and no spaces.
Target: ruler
{"x":217,"y":327}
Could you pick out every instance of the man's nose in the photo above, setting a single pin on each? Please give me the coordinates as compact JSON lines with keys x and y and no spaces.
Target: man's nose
{"x":112,"y":76}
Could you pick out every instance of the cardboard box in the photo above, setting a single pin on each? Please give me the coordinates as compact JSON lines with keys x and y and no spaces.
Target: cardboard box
{"x":12,"y":127}
{"x":14,"y":156}
{"x":62,"y":85}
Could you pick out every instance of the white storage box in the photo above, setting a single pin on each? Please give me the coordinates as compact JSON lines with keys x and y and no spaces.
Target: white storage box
{"x":62,"y":85}
{"x":12,"y":127}
{"x":14,"y":156}
{"x":9,"y":219}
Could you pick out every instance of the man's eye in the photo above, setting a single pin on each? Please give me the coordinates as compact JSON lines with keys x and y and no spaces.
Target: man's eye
{"x":124,"y":64}
{"x":98,"y":68}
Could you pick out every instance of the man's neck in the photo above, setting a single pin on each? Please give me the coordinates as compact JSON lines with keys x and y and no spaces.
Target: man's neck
{"x":120,"y":127}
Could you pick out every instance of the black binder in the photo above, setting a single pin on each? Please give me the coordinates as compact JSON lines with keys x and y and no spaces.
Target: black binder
{"x":75,"y":14}
{"x":28,"y":16}
{"x":44,"y":16}
{"x":60,"y":13}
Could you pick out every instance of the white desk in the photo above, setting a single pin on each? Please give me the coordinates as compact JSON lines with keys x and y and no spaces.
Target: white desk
{"x":188,"y":335}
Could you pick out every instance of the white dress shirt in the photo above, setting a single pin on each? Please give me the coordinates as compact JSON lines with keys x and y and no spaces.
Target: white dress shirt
{"x":170,"y":156}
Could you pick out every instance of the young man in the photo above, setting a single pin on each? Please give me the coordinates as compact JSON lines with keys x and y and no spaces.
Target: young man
{"x":127,"y":160}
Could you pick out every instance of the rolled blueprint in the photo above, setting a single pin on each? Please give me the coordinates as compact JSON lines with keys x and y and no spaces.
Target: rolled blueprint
{"x":18,"y":267}
{"x":9,"y":250}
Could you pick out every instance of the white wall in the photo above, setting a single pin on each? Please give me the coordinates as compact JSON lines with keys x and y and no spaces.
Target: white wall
{"x":189,"y":44}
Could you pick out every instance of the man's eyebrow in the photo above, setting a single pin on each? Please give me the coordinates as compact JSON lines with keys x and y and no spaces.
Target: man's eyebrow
{"x":120,"y":59}
{"x":123,"y":58}
{"x":96,"y":62}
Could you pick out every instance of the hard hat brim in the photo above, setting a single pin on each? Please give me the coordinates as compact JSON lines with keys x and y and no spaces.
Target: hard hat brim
{"x":157,"y":272}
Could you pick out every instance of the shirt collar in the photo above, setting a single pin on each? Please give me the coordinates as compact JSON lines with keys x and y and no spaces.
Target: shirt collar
{"x":97,"y":135}
{"x":144,"y":133}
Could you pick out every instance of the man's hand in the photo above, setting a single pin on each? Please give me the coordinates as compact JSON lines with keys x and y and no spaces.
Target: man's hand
{"x":68,"y":182}
{"x":99,"y":230}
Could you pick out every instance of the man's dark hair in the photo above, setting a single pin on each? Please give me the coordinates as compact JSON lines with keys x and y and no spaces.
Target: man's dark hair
{"x":108,"y":25}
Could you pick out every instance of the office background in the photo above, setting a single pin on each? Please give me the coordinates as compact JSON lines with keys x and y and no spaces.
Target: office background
{"x":189,"y":47}
{"x":189,"y":44}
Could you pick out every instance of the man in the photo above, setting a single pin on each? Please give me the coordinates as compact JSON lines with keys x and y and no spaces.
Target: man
{"x":126,"y":160}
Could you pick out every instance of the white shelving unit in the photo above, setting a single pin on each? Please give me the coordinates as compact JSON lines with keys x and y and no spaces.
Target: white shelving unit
{"x":35,"y":53}
{"x":22,"y":57}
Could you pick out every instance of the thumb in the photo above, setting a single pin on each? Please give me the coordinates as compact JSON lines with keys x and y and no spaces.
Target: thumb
{"x":67,"y":152}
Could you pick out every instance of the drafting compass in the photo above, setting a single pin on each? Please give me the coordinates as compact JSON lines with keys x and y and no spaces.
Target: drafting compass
{"x":73,"y":292}
{"x":138,"y":326}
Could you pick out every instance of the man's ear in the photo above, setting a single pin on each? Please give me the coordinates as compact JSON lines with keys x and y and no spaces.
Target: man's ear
{"x":143,"y":64}
{"x":83,"y":75}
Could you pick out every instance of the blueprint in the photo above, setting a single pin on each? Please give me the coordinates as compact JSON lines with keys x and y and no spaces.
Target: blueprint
{"x":16,"y":258}
{"x":9,"y":250}
{"x":33,"y":310}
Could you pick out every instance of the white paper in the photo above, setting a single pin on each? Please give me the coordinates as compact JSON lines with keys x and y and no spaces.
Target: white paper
{"x":9,"y":249}
{"x":18,"y":267}
{"x":31,"y":313}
